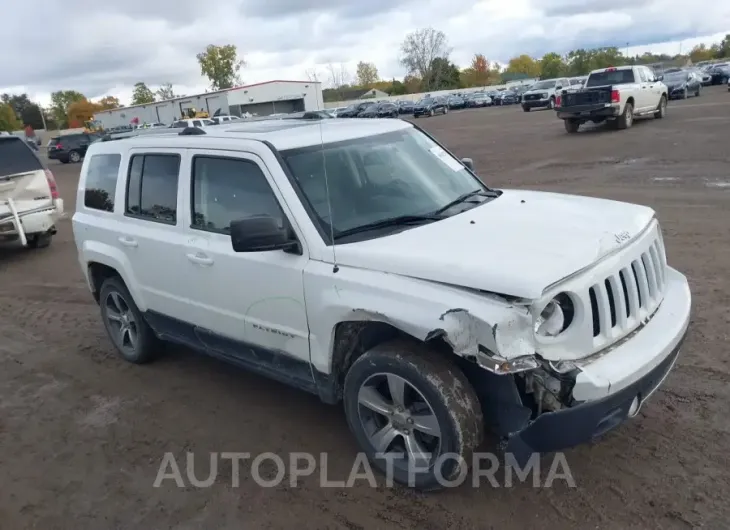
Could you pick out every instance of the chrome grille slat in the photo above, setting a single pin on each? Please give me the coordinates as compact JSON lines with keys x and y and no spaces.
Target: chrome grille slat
{"x":626,"y":297}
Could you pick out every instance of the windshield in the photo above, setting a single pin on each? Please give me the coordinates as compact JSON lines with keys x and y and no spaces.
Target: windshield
{"x":543,"y":85}
{"x":676,"y":76}
{"x":378,"y":177}
{"x":426,"y":101}
{"x":611,"y":77}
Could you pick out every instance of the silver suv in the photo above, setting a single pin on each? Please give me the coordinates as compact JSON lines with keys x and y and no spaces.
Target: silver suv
{"x":543,"y":94}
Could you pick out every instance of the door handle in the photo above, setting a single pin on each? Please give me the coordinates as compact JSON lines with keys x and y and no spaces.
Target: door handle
{"x":128,"y":242}
{"x":200,"y":259}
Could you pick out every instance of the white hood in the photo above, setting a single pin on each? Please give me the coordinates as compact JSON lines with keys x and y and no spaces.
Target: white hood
{"x":518,"y":244}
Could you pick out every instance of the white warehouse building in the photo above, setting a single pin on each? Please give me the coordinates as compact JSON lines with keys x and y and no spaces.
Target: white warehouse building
{"x":261,"y":99}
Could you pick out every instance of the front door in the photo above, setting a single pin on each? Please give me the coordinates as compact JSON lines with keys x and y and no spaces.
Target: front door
{"x":248,"y":305}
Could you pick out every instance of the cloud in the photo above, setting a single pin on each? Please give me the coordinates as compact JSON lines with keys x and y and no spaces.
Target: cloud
{"x":112,"y":45}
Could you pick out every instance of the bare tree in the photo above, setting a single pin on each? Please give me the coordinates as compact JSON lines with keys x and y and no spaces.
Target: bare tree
{"x":339,"y":76}
{"x":420,"y":48}
{"x":312,"y":74}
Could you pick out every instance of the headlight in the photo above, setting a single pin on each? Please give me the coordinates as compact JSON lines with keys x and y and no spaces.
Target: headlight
{"x":555,"y":317}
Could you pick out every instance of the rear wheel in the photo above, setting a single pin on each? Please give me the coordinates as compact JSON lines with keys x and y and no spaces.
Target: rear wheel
{"x":571,"y":126}
{"x":661,"y":111}
{"x":699,"y":89}
{"x":626,"y":120}
{"x":129,"y":332}
{"x":430,"y":113}
{"x":74,"y":156}
{"x":525,"y":108}
{"x":42,"y":240}
{"x":413,"y":413}
{"x":446,"y":110}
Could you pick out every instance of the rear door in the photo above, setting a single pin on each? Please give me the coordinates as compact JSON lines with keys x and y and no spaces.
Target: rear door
{"x":22,"y":178}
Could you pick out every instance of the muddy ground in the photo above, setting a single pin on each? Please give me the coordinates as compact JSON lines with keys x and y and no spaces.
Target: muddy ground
{"x":82,"y":434}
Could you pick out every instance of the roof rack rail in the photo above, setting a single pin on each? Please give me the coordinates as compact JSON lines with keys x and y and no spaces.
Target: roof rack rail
{"x":189,"y":131}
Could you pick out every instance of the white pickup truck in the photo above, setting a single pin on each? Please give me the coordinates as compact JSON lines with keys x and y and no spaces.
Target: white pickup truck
{"x":617,"y":95}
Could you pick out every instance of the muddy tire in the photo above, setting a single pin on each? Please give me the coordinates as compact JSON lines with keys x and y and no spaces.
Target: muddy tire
{"x":661,"y":110}
{"x":124,"y":323}
{"x":571,"y":126}
{"x":43,"y":240}
{"x":413,"y":413}
{"x":626,"y":120}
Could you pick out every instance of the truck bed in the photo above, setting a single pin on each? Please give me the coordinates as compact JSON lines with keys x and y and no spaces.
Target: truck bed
{"x":586,"y":97}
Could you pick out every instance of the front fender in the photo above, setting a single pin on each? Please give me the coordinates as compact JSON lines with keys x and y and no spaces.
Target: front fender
{"x":473,"y":324}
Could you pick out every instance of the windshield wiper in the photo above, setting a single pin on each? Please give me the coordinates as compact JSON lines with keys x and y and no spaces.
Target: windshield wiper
{"x":463,"y":198}
{"x":401,"y":220}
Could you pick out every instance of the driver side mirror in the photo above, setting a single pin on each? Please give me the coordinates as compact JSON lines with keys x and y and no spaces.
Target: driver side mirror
{"x":261,"y":233}
{"x":559,"y":87}
{"x":468,"y":162}
{"x":660,"y":78}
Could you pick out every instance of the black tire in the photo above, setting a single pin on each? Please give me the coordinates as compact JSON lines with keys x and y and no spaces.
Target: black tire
{"x":699,"y":90}
{"x":626,"y":120}
{"x":442,"y":386}
{"x":661,"y":111}
{"x":526,"y":109}
{"x":571,"y":126}
{"x":74,"y":156}
{"x":147,"y":344}
{"x":431,"y":113}
{"x":685,"y":94}
{"x":40,"y":240}
{"x":551,"y":104}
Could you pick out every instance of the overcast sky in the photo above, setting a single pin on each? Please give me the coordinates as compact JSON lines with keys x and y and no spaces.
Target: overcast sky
{"x":103,"y":47}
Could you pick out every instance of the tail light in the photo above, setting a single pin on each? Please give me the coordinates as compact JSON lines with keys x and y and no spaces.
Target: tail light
{"x":52,"y":184}
{"x":615,"y":96}
{"x":558,"y":101}
{"x":58,"y":146}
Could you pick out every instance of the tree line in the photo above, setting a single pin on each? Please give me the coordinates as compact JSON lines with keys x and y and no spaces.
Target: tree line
{"x":424,"y":54}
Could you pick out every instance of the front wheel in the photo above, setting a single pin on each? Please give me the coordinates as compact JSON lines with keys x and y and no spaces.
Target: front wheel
{"x":446,"y":110}
{"x":661,"y":110}
{"x":525,"y":108}
{"x":413,"y":413}
{"x":551,"y":103}
{"x":430,"y":113}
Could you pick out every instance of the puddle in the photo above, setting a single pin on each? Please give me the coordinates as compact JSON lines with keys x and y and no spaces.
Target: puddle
{"x":718,"y":184}
{"x":665,"y":179}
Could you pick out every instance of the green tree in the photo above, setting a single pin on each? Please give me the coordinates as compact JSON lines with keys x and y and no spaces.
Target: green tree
{"x":27,"y":112}
{"x":700,"y":53}
{"x":142,"y":94}
{"x":165,"y":92}
{"x":8,"y":120}
{"x":443,"y":74}
{"x":108,"y":103}
{"x":367,"y":74}
{"x":60,"y":102}
{"x":221,"y":65}
{"x":397,"y":88}
{"x":551,"y":66}
{"x":523,"y":64}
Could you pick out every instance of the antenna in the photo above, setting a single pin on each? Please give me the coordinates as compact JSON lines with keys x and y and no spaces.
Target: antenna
{"x":318,"y":95}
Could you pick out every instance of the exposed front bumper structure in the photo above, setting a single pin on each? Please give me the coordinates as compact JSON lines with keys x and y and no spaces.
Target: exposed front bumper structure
{"x":613,"y":385}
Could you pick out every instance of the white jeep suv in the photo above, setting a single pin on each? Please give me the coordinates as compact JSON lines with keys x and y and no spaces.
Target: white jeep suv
{"x":361,"y":261}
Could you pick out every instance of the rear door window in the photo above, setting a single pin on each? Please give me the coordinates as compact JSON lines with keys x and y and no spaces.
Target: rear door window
{"x":101,"y":182}
{"x":152,"y":187}
{"x":16,"y":157}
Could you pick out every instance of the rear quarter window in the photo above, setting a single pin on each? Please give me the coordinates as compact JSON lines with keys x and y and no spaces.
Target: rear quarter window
{"x":16,"y":157}
{"x":101,"y":182}
{"x":613,"y":77}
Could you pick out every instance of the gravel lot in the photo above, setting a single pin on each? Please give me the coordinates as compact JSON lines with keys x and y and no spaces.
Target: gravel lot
{"x":82,"y":434}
